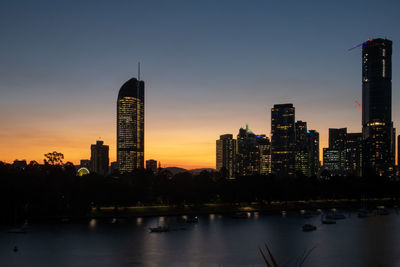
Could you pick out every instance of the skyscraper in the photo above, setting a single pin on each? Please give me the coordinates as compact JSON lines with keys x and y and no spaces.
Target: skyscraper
{"x":283,"y":142}
{"x":337,"y":140}
{"x":332,"y":160}
{"x":264,"y":147}
{"x":130,"y":126}
{"x":301,"y":131}
{"x":302,"y":154}
{"x":312,"y":140}
{"x":377,"y":125}
{"x":354,"y":153}
{"x":226,"y":153}
{"x":307,"y":150}
{"x":99,"y":158}
{"x":253,"y":153}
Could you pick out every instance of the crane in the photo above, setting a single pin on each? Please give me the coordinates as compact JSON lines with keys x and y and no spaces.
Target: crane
{"x":358,"y":104}
{"x":358,"y":45}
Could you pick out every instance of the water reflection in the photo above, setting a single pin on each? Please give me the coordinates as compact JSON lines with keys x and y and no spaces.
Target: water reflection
{"x":214,"y":241}
{"x":92,"y":223}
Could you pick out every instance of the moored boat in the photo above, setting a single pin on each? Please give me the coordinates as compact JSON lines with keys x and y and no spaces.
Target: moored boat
{"x":336,"y":216}
{"x":192,"y":219}
{"x":325,"y":221}
{"x":309,"y":228}
{"x":159,"y":229}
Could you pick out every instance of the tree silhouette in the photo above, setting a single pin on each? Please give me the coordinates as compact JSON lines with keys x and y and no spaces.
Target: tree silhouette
{"x":53,"y":158}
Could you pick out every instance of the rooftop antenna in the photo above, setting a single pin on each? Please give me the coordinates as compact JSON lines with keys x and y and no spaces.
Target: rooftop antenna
{"x":138,"y":70}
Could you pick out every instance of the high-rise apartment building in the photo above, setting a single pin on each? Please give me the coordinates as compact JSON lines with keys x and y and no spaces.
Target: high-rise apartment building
{"x":226,"y":153}
{"x":337,"y":140}
{"x":301,"y":131}
{"x":130,"y":126}
{"x":307,"y":150}
{"x":377,"y":125}
{"x":252,"y":153}
{"x":264,"y":148}
{"x":354,"y":153}
{"x":283,"y":141}
{"x":312,"y":140}
{"x":302,"y":155}
{"x":99,"y":158}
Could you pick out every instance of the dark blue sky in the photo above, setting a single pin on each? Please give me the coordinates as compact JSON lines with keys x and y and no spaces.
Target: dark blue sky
{"x":209,"y":67}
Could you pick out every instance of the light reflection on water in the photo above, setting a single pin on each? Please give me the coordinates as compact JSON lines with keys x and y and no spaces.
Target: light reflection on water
{"x":214,"y":241}
{"x":212,"y":217}
{"x":92,"y":223}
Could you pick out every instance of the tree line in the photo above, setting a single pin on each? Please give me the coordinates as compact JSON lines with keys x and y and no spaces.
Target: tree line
{"x":54,"y":189}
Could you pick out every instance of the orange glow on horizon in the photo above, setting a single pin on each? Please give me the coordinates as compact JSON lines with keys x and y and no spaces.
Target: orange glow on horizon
{"x":188,"y":147}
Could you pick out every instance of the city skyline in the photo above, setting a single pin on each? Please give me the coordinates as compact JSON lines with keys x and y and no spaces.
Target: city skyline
{"x":188,"y":105}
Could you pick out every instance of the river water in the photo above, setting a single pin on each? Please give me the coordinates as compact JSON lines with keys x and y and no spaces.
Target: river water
{"x":215,"y":240}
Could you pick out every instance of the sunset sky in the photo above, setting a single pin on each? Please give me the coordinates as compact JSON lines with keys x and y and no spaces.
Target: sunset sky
{"x":209,"y":68}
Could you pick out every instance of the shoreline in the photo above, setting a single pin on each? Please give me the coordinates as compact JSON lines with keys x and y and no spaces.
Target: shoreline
{"x":273,"y":208}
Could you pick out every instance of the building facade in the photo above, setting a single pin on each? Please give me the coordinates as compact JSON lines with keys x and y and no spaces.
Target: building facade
{"x":377,"y":125}
{"x":307,"y":150}
{"x":354,"y":153}
{"x":283,"y":141}
{"x":337,"y":140}
{"x":332,"y":161}
{"x":312,"y":140}
{"x":252,"y":153}
{"x":130,"y":126}
{"x":226,"y":154}
{"x":99,"y":160}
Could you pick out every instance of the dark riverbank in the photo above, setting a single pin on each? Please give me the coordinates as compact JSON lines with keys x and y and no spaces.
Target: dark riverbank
{"x":53,"y":192}
{"x":227,"y":209}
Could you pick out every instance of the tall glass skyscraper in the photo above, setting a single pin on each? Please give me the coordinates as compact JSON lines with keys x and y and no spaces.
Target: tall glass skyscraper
{"x":130,"y":126}
{"x":377,"y":125}
{"x":283,"y":140}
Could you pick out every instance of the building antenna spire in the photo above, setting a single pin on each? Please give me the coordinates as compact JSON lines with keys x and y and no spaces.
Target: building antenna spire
{"x":138,"y":70}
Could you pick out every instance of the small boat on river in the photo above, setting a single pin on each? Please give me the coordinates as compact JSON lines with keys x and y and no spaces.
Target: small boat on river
{"x":159,"y":229}
{"x":327,"y":221}
{"x":309,"y":228}
{"x":336,"y":216}
{"x":192,"y":219}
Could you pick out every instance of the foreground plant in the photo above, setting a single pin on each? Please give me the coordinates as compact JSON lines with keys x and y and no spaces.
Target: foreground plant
{"x":300,"y":261}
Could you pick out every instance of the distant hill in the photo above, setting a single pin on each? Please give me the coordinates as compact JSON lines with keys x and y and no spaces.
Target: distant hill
{"x":197,"y":171}
{"x":176,"y":170}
